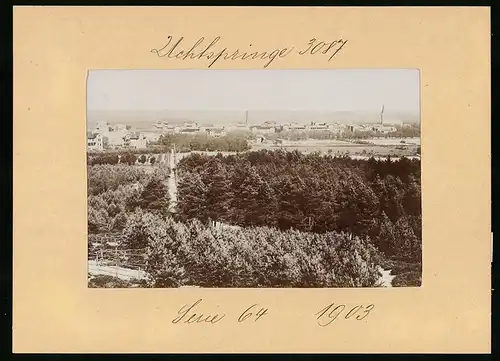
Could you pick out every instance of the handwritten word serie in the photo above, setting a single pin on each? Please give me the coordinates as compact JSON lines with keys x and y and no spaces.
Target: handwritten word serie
{"x":210,"y":50}
{"x":334,"y":311}
{"x":191,"y":313}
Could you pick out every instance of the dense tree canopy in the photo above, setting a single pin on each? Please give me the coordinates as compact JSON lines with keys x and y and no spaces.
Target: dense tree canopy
{"x":193,"y":253}
{"x":311,"y":193}
{"x":203,"y":142}
{"x":282,"y":218}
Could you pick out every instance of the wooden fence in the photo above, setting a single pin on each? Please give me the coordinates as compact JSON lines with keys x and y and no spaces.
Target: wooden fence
{"x":125,"y":264}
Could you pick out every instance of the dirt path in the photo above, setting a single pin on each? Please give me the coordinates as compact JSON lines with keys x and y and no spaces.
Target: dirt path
{"x":125,"y":274}
{"x":172,"y":183}
{"x":386,"y":278}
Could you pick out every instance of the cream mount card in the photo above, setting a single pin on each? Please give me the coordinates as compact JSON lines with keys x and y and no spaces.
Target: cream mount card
{"x":189,"y":180}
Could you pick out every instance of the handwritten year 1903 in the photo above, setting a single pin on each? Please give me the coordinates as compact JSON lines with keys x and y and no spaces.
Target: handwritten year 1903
{"x":332,"y":312}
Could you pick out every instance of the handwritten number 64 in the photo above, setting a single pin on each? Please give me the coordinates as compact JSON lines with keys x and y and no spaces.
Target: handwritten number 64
{"x":247,"y":314}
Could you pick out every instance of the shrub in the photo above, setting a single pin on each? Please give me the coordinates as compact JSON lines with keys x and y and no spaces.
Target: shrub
{"x":104,"y":281}
{"x":409,"y":279}
{"x":223,"y":256}
{"x":128,"y":158}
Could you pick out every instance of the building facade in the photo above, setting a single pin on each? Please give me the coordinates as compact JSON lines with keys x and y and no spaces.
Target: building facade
{"x":137,"y":141}
{"x":215,"y":132}
{"x":117,"y":139}
{"x":95,"y":141}
{"x":263,"y":129}
{"x":383,"y":129}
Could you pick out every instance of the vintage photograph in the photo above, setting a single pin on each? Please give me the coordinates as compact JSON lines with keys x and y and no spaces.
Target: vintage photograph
{"x":254,"y":178}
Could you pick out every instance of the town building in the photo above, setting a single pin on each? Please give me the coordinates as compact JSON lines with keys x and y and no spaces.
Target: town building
{"x":190,"y":127}
{"x":318,"y":126}
{"x":294,"y":127}
{"x":117,"y":139}
{"x":160,"y":125}
{"x":166,"y":128}
{"x":95,"y":141}
{"x":336,"y":128}
{"x":137,"y":141}
{"x":351,"y":128}
{"x":383,"y":129}
{"x":215,"y":131}
{"x":266,"y":129}
{"x":260,"y":139}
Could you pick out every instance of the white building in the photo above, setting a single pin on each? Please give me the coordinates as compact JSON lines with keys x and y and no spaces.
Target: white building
{"x":160,"y":125}
{"x":294,"y":127}
{"x":266,"y":129}
{"x":137,"y":141}
{"x":95,"y":141}
{"x":383,"y":128}
{"x":356,"y":128}
{"x":117,"y":139}
{"x":167,"y":128}
{"x":318,"y":126}
{"x":336,"y":128}
{"x":215,"y":131}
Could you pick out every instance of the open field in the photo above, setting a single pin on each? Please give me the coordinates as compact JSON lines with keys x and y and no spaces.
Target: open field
{"x":377,"y":147}
{"x":394,"y":141}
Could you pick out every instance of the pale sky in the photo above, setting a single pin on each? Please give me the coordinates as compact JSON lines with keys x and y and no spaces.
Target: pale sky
{"x":352,"y":90}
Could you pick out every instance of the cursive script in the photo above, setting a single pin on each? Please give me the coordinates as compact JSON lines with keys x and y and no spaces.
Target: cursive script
{"x":187,"y":314}
{"x":191,"y":313}
{"x":212,"y":51}
{"x":333,"y":311}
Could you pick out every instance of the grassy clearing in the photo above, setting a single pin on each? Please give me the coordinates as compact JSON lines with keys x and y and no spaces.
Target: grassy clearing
{"x":381,"y":148}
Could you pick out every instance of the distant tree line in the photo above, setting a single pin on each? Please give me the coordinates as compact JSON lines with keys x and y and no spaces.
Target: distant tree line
{"x":151,"y":149}
{"x":202,"y":142}
{"x":124,"y":157}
